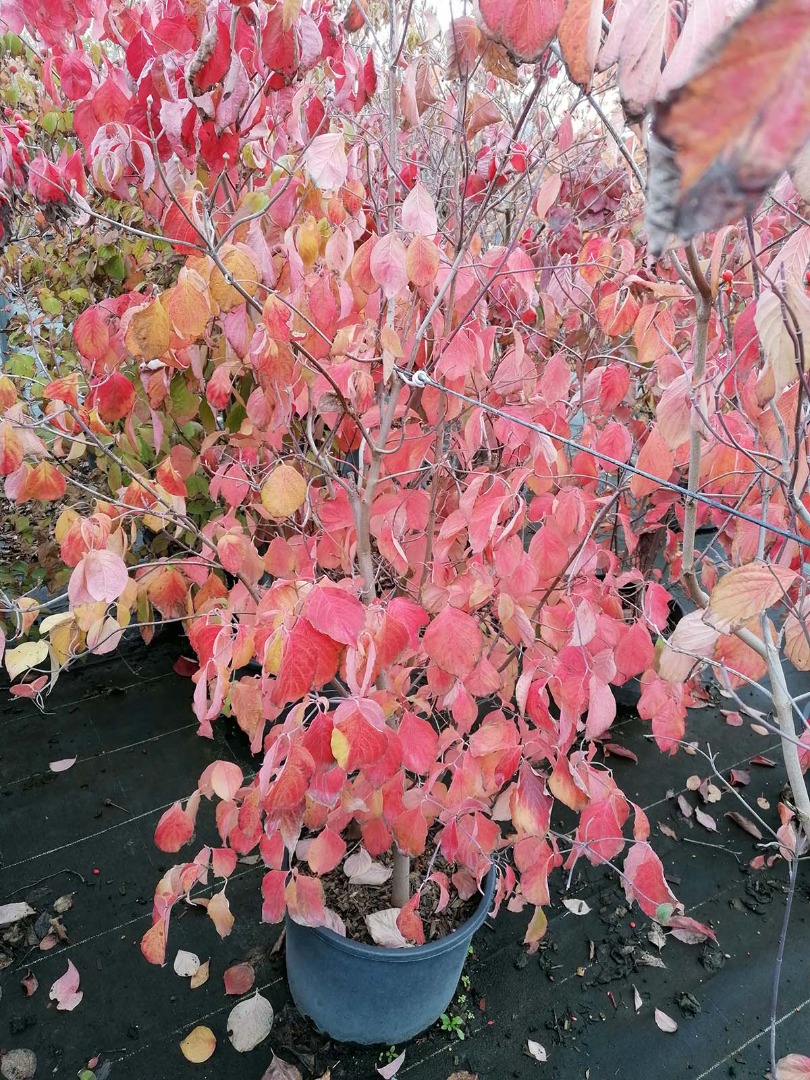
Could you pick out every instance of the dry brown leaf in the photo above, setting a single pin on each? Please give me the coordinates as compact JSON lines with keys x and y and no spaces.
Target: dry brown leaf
{"x":200,"y":976}
{"x":745,"y":824}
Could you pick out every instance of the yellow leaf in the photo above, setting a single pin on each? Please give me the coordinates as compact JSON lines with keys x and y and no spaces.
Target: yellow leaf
{"x":340,"y":747}
{"x":797,"y":646}
{"x":63,"y":524}
{"x":66,"y":641}
{"x":147,"y":333}
{"x":200,"y":976}
{"x":240,"y":269}
{"x":283,"y":492}
{"x":290,"y":12}
{"x":25,"y":656}
{"x":198,"y":1045}
{"x":188,"y":305}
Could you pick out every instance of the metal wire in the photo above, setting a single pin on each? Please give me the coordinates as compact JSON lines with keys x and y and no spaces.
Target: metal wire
{"x":420,"y":379}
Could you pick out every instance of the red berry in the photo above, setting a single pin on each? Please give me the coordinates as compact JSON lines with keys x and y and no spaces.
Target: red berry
{"x":727,"y":276}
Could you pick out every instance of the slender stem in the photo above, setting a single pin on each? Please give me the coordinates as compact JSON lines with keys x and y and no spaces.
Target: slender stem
{"x":777,"y":971}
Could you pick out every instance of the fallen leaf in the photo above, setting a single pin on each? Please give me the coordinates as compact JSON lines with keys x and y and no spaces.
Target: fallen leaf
{"x":637,"y":1000}
{"x":745,"y":824}
{"x":706,"y":820}
{"x":65,"y":991}
{"x":576,"y":907}
{"x":733,"y":719}
{"x":47,"y":942}
{"x":656,"y":936}
{"x":279,"y":1069}
{"x":63,"y":765}
{"x":63,"y":904}
{"x":536,"y":1051}
{"x":186,"y":964}
{"x":463,"y":1076}
{"x":199,"y":1045}
{"x":18,"y":1065}
{"x":645,"y":959}
{"x":239,"y":978}
{"x":713,"y":793}
{"x":685,"y":806}
{"x":758,"y":759}
{"x":30,"y":984}
{"x":389,"y":1071}
{"x":664,"y":1022}
{"x":793,"y":1067}
{"x":200,"y":976}
{"x":690,"y":930}
{"x":739,"y":777}
{"x":693,"y":783}
{"x":763,"y":803}
{"x":12,"y":913}
{"x":667,"y":830}
{"x":249,"y":1023}
{"x":758,"y":729}
{"x":382,"y":925}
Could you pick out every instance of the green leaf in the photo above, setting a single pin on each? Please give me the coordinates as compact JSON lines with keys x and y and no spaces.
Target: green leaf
{"x":114,"y":268}
{"x":663,"y":913}
{"x":51,"y":305}
{"x":49,"y":122}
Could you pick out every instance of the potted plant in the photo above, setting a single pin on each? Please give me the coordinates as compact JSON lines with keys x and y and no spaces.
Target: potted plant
{"x":383,"y":378}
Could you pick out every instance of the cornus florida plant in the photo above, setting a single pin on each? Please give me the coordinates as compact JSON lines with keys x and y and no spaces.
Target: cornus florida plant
{"x":392,"y":403}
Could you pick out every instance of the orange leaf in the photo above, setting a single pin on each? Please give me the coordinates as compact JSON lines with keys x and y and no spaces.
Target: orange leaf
{"x":655,"y":457}
{"x":422,"y":261}
{"x":579,"y":35}
{"x":147,"y":331}
{"x":219,"y":912}
{"x":11,"y":450}
{"x":745,"y":592}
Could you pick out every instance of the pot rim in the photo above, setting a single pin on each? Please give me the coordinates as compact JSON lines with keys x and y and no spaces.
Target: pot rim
{"x":414,"y":952}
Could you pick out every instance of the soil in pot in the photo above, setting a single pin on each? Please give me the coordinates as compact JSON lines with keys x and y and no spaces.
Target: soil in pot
{"x":353,"y":902}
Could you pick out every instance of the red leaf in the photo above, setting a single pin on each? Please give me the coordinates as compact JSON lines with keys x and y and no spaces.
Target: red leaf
{"x":114,"y":397}
{"x":727,"y":134}
{"x":409,"y":923}
{"x":310,"y":659}
{"x":336,"y":613}
{"x":410,"y":831}
{"x":453,"y":640}
{"x":525,"y":27}
{"x":274,"y":898}
{"x":239,"y":979}
{"x":326,"y":851}
{"x":419,"y":741}
{"x":305,"y":900}
{"x":682,"y":925}
{"x":635,"y":651}
{"x":530,"y":804}
{"x":644,"y":880}
{"x":656,"y":458}
{"x":175,"y":828}
{"x":359,"y":736}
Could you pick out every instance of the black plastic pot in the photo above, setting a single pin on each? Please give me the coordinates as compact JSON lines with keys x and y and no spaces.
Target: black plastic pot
{"x":367,"y":994}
